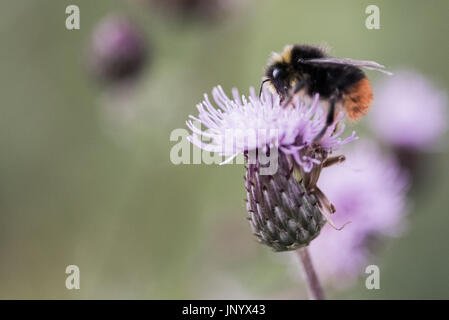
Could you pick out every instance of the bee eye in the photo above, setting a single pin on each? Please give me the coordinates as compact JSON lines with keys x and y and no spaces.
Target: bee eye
{"x":277,"y":73}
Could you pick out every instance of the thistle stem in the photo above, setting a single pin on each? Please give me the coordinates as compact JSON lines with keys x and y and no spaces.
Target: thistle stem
{"x":313,"y":283}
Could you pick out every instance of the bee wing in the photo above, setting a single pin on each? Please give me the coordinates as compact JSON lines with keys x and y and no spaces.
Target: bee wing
{"x":370,"y":65}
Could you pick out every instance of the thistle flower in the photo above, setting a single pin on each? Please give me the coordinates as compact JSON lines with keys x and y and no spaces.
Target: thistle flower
{"x":286,"y":212}
{"x":243,"y":124}
{"x":368,"y":190}
{"x":409,"y":112}
{"x":118,"y":49}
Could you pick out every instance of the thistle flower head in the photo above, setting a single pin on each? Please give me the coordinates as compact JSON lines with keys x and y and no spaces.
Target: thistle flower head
{"x":368,"y":190}
{"x":286,"y":212}
{"x":248,"y":123}
{"x":410,"y":112}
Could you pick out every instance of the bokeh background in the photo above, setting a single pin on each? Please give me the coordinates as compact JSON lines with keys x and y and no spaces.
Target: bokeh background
{"x":85,"y":174}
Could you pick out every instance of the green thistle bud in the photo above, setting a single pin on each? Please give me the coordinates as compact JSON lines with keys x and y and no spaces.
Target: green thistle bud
{"x":282,"y":213}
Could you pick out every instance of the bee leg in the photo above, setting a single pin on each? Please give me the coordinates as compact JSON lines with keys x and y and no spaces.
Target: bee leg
{"x":329,"y":119}
{"x":333,"y":160}
{"x":293,"y":92}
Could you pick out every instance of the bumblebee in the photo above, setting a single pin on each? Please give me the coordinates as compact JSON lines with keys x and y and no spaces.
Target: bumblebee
{"x":307,"y":70}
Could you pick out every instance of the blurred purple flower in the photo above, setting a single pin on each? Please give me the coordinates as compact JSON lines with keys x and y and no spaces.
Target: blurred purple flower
{"x":194,"y":8}
{"x":368,"y":190}
{"x":118,"y":49}
{"x":243,"y":124}
{"x":409,"y":112}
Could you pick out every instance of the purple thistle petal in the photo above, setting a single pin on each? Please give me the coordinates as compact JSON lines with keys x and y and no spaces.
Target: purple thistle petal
{"x":246,"y":123}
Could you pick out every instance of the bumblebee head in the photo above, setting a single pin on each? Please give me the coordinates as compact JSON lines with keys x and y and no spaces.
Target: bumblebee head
{"x":285,"y":69}
{"x":279,"y":77}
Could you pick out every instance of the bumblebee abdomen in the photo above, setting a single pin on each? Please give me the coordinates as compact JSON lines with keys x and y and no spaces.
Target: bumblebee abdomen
{"x":357,"y":99}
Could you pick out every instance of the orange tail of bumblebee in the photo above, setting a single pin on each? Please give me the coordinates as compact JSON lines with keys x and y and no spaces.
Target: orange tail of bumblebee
{"x":358,"y":99}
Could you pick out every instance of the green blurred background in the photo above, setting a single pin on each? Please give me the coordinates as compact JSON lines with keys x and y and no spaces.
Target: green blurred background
{"x":80,"y":185}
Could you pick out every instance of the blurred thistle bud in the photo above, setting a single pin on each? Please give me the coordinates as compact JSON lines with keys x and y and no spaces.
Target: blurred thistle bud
{"x":206,"y":9}
{"x":286,"y":207}
{"x":118,"y":50}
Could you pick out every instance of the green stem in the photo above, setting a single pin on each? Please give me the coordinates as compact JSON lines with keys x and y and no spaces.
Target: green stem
{"x":313,"y":283}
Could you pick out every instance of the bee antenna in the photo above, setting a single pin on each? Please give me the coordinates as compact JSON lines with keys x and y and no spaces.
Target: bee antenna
{"x":261,"y":86}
